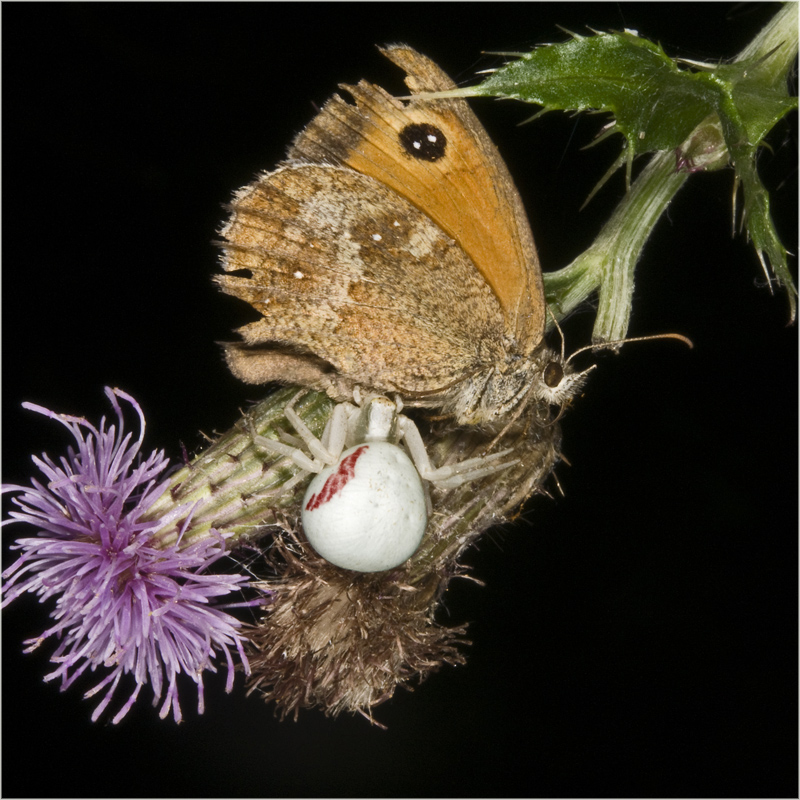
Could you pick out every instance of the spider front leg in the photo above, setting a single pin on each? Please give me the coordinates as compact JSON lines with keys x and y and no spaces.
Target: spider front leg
{"x":452,"y":475}
{"x":325,"y":451}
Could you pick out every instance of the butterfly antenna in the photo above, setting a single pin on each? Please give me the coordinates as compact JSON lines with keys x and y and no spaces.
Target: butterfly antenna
{"x":616,"y":342}
{"x":560,"y":332}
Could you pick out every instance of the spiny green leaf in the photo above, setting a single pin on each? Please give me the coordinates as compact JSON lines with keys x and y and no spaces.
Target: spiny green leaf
{"x":709,"y":114}
{"x":655,"y":104}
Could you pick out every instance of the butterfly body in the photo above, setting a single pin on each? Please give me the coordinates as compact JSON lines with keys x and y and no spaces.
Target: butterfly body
{"x":391,"y":252}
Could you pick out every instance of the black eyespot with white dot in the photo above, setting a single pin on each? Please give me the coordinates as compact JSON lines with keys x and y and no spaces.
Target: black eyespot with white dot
{"x":424,"y":141}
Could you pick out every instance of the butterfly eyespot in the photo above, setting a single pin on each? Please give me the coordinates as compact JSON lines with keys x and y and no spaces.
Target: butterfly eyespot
{"x":553,"y":374}
{"x":423,"y":141}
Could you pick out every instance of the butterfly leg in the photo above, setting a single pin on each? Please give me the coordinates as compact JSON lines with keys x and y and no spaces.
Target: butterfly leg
{"x":452,"y":475}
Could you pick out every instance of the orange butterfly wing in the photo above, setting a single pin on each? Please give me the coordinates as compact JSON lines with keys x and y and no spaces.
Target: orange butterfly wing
{"x":463,"y":185}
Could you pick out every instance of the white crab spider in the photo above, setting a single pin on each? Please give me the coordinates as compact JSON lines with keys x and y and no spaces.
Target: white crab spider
{"x":365,"y":510}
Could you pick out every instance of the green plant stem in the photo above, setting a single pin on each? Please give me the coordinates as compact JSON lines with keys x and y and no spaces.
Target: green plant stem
{"x":780,"y":34}
{"x":608,"y":265}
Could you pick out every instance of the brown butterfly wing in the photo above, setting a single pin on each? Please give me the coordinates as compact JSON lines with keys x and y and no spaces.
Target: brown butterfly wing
{"x":462,"y":183}
{"x":341,"y":266}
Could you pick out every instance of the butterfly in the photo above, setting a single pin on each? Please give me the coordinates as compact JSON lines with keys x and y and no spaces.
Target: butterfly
{"x":391,"y":251}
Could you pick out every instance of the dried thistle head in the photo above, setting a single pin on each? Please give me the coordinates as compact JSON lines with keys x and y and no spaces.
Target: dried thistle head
{"x":342,"y":640}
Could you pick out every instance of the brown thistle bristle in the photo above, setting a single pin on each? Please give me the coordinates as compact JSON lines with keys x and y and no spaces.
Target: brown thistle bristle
{"x":342,"y":640}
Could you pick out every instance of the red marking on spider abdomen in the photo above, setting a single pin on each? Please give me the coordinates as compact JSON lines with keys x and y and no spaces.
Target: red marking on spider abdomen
{"x":338,"y":480}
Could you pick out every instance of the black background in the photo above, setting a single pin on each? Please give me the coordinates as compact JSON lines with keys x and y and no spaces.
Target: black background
{"x":636,"y":637}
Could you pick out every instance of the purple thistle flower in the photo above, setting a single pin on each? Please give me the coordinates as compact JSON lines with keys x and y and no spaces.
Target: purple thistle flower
{"x":121,"y":602}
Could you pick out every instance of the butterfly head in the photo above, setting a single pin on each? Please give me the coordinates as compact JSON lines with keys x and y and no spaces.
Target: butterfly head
{"x":495,"y":395}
